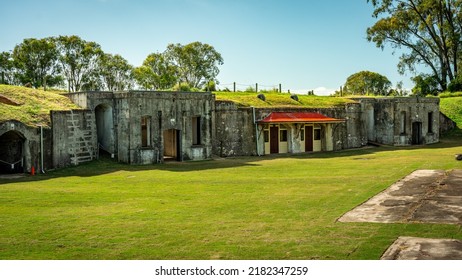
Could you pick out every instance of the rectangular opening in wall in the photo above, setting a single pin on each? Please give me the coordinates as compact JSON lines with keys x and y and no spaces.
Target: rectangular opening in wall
{"x":283,"y":135}
{"x":266,"y":135}
{"x":317,"y":134}
{"x":302,"y":135}
{"x":145,"y":131}
{"x":430,"y":122}
{"x":403,"y":122}
{"x":196,"y":130}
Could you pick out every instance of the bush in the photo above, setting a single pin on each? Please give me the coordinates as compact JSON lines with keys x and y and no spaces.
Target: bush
{"x":455,"y":85}
{"x":182,"y":87}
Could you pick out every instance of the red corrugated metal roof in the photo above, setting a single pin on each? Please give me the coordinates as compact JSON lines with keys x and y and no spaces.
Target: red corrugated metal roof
{"x":281,"y":117}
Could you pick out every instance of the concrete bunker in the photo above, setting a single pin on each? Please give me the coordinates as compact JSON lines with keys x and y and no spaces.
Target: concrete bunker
{"x":105,"y":128}
{"x":12,"y":152}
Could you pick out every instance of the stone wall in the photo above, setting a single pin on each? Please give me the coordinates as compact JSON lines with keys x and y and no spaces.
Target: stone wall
{"x":74,"y":137}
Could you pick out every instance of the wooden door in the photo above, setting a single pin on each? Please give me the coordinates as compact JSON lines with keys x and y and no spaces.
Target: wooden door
{"x":308,"y":138}
{"x":274,"y":140}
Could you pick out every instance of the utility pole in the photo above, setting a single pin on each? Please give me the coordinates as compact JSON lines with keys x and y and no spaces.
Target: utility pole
{"x":234,"y":86}
{"x":256,"y":87}
{"x":280,"y":88}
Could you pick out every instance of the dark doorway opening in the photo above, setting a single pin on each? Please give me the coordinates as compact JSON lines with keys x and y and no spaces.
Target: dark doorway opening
{"x":172,"y":147}
{"x":11,"y":153}
{"x":417,"y":133}
{"x":105,"y":129}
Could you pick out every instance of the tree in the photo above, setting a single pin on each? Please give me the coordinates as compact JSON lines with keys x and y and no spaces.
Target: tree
{"x":6,"y":68}
{"x":429,"y":29}
{"x":367,"y":83}
{"x":197,"y":63}
{"x":115,"y":72}
{"x":79,"y":59}
{"x":157,"y":72}
{"x":425,"y":85}
{"x":36,"y":62}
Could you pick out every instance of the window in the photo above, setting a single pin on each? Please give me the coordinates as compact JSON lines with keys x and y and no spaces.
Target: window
{"x":266,"y":135}
{"x":317,"y":134}
{"x":302,"y":135}
{"x":196,"y":130}
{"x":403,"y":122}
{"x":283,"y":135}
{"x":430,"y":122}
{"x":145,"y":131}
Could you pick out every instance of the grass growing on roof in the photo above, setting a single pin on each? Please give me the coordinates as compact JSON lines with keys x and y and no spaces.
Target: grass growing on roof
{"x":274,"y":99}
{"x":271,"y":207}
{"x":31,"y":106}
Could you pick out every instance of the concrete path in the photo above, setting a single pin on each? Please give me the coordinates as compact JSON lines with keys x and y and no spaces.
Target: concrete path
{"x":413,"y":248}
{"x":424,"y":196}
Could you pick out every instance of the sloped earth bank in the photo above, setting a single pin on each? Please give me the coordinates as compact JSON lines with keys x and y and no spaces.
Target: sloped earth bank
{"x":424,"y":196}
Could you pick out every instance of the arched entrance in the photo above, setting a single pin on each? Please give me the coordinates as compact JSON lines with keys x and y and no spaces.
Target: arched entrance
{"x":105,"y":128}
{"x":12,"y":152}
{"x":172,"y":147}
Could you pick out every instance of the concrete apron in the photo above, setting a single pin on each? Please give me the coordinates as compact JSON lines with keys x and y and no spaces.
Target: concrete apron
{"x":413,"y":248}
{"x":424,"y":196}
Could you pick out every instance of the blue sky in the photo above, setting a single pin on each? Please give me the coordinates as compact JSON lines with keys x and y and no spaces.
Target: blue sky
{"x":304,"y":45}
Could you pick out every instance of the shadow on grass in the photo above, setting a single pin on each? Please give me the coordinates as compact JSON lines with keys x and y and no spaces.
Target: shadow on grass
{"x":105,"y":165}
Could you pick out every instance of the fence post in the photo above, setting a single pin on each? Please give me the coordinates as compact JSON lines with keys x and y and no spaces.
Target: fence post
{"x":256,"y":87}
{"x":280,"y":88}
{"x":234,"y":86}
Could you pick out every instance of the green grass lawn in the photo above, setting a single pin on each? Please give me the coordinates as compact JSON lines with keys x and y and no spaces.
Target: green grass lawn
{"x":271,"y":207}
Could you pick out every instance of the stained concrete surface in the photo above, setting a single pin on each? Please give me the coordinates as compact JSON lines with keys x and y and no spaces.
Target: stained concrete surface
{"x":412,"y":248}
{"x":424,"y":196}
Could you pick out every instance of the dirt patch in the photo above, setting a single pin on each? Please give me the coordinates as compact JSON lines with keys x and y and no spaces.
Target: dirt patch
{"x":413,"y":248}
{"x":424,"y":196}
{"x":6,"y":100}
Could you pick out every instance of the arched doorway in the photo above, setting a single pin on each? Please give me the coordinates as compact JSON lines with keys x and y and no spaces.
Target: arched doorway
{"x":172,"y":147}
{"x":105,"y":128}
{"x":12,"y":152}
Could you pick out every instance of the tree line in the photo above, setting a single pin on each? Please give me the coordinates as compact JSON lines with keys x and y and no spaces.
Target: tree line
{"x":78,"y":65}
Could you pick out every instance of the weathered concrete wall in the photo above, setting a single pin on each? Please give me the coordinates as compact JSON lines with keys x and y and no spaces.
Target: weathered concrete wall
{"x":235,"y":129}
{"x":392,"y":121}
{"x":446,"y":124}
{"x":164,"y":111}
{"x":21,"y":142}
{"x":74,"y":137}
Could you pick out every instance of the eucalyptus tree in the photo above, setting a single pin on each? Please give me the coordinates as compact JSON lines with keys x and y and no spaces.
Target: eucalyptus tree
{"x":115,"y":72}
{"x":428,"y":30}
{"x":6,"y":68}
{"x":367,"y":83}
{"x":157,"y":72}
{"x":196,"y":62}
{"x":35,"y":61}
{"x":79,"y":60}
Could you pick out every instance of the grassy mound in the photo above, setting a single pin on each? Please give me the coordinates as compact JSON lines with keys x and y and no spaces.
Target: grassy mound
{"x":452,"y":107}
{"x":274,"y":99}
{"x":30,"y":106}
